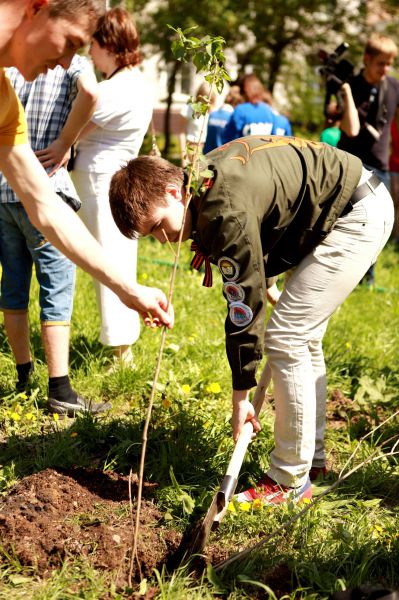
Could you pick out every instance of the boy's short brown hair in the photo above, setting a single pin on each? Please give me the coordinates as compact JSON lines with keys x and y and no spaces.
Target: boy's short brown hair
{"x":138,"y":188}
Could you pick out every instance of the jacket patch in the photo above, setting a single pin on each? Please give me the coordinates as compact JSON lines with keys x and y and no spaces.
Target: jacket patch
{"x":229,"y":268}
{"x":233,"y":292}
{"x":240,"y":314}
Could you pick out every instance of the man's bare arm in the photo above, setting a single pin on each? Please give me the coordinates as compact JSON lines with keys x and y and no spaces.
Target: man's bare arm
{"x":350,"y":123}
{"x":63,"y":228}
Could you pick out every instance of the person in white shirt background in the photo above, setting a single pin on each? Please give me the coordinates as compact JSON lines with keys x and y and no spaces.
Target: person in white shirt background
{"x":112,"y":137}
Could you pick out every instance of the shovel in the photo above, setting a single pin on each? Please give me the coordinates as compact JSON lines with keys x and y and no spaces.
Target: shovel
{"x":194,"y":542}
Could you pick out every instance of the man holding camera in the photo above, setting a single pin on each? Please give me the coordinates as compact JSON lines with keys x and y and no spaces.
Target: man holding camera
{"x":365,"y":131}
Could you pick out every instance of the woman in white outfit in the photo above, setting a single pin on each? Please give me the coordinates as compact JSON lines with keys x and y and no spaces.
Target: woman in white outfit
{"x":113,"y":136}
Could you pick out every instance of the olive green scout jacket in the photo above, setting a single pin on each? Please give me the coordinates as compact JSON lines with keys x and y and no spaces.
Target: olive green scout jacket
{"x":271,"y":201}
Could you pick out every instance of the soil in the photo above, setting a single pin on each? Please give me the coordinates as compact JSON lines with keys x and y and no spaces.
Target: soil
{"x":58,"y":514}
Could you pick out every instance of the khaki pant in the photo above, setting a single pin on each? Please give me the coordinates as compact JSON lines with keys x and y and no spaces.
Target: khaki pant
{"x":317,"y":287}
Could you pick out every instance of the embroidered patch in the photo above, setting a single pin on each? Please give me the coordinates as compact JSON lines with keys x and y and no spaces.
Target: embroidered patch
{"x":233,"y":291}
{"x":240,"y":314}
{"x":228,"y":268}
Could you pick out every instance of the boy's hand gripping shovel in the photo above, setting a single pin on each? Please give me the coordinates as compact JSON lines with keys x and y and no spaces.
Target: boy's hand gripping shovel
{"x":195,"y":542}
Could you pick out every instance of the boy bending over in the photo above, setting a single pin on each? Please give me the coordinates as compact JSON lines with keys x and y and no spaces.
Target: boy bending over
{"x":273,"y":203}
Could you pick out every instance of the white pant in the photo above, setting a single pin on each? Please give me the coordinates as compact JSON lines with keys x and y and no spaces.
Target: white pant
{"x":319,"y":284}
{"x":120,"y":325}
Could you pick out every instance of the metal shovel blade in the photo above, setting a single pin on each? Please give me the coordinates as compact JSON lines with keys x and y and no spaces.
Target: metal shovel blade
{"x":194,"y":541}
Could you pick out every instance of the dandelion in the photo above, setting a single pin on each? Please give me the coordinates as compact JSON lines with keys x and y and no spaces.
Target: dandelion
{"x":144,"y":276}
{"x":257,"y":504}
{"x":231,"y":507}
{"x":376,"y":531}
{"x":191,"y":339}
{"x":306,"y":500}
{"x":185,"y":388}
{"x":245,"y":506}
{"x":206,"y":424}
{"x":23,"y":396}
{"x":56,"y":417}
{"x":166,"y":403}
{"x":29,"y":416}
{"x":74,"y":434}
{"x":15,"y":416}
{"x":214,"y":388}
{"x":348,"y":345}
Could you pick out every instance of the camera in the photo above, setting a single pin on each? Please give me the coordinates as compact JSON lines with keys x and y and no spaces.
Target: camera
{"x":336,"y":71}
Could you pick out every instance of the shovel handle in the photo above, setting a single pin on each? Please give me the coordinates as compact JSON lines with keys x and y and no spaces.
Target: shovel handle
{"x":244,"y":438}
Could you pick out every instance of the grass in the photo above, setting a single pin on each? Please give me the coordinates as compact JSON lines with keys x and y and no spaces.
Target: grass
{"x":349,"y":538}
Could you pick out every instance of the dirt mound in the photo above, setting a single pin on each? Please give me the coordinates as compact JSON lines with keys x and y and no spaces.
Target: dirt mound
{"x":56,"y":514}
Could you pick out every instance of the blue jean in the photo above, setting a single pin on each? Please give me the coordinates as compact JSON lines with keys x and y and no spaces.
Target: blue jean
{"x":21,"y":247}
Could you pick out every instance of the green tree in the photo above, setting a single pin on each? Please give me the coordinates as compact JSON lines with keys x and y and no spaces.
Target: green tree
{"x":279,"y":29}
{"x":210,"y":17}
{"x":268,"y":35}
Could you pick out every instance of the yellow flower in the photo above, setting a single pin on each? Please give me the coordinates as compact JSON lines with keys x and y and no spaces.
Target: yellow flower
{"x":376,"y":531}
{"x":191,"y":339}
{"x":29,"y":417}
{"x":231,"y":507}
{"x":185,"y":388}
{"x":245,"y":506}
{"x":56,"y":417}
{"x":214,"y":388}
{"x":144,"y":276}
{"x":306,"y":500}
{"x":257,"y":504}
{"x":166,"y":403}
{"x":74,"y":434}
{"x":15,"y":416}
{"x":23,"y":396}
{"x":348,"y":345}
{"x":206,"y":424}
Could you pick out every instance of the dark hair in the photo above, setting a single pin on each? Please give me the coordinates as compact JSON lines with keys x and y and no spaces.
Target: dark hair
{"x":70,"y":9}
{"x":252,"y":88}
{"x":138,"y":188}
{"x":117,"y":32}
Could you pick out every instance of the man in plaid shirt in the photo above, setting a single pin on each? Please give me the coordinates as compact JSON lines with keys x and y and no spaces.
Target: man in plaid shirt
{"x":57,"y":105}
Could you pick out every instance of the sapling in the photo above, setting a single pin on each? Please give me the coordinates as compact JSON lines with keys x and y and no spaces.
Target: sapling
{"x":208,"y":57}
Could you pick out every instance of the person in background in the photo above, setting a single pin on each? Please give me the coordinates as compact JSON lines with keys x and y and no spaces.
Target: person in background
{"x":394,"y":177}
{"x":365,"y":131}
{"x":37,"y":35}
{"x":57,"y":106}
{"x":252,"y":117}
{"x":331,"y":133}
{"x":281,"y":126}
{"x":113,"y":136}
{"x":218,"y":119}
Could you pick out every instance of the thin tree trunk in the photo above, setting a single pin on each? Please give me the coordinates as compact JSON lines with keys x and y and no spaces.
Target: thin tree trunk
{"x":171,"y":89}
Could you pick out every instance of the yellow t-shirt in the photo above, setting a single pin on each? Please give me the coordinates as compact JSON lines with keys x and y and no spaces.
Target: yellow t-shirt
{"x":13,"y":126}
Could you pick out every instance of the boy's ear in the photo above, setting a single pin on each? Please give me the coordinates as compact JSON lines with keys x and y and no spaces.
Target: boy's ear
{"x":173,"y":192}
{"x":35,"y":6}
